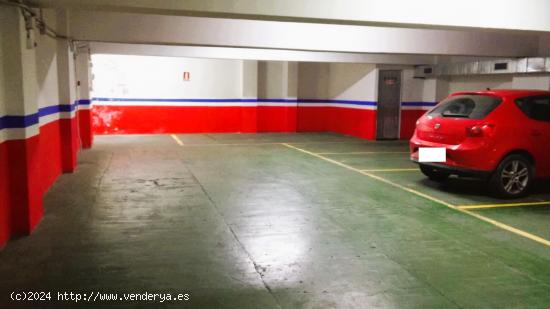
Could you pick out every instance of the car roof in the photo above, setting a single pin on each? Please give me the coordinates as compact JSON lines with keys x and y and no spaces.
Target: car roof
{"x":506,"y":92}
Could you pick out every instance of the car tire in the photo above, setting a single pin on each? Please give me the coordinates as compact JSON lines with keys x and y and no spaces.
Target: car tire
{"x":433,"y":173}
{"x":513,"y":177}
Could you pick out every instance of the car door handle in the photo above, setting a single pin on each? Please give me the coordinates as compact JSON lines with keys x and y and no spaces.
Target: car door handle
{"x":536,"y":133}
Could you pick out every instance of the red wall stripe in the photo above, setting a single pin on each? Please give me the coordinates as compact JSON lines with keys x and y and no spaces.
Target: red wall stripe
{"x":24,"y":182}
{"x":111,"y":119}
{"x":70,"y":143}
{"x":49,"y":154}
{"x":28,"y":168}
{"x":408,"y":122}
{"x":85,"y":128}
{"x":276,"y":119}
{"x":5,"y":215}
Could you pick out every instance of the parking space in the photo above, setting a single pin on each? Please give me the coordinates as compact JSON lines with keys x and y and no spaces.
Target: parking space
{"x":389,"y":162}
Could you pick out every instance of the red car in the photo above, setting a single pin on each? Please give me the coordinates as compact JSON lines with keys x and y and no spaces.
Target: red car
{"x":502,"y":136}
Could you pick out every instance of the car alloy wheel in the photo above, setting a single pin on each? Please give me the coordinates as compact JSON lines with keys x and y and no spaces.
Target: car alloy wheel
{"x":515,"y":177}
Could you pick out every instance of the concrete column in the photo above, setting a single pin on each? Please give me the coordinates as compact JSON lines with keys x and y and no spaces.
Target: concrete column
{"x":249,"y":96}
{"x":70,"y":142}
{"x":277,"y":80}
{"x":84,"y":111}
{"x":290,"y":73}
{"x":290,"y":92}
{"x":250,"y":79}
{"x":22,"y":203}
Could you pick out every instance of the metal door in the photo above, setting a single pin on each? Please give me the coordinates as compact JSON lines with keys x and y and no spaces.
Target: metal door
{"x":389,"y":101}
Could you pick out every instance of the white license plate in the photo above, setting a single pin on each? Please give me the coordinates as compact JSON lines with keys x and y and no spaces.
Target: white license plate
{"x":432,"y":154}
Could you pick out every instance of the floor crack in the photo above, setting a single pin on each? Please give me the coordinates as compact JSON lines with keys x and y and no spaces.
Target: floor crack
{"x":257,"y":267}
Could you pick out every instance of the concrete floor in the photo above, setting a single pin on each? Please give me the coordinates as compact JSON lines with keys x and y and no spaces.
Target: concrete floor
{"x":243,"y":221}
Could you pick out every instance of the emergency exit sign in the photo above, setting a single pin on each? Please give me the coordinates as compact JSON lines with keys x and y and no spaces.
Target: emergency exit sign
{"x":186,"y":76}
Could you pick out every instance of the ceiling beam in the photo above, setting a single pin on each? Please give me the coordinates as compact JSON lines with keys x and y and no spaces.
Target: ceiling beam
{"x":526,"y":15}
{"x":255,"y":54}
{"x":195,"y":31}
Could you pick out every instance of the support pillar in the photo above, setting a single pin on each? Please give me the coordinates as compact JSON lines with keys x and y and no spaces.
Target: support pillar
{"x":277,"y":91}
{"x":21,"y":202}
{"x":84,"y":111}
{"x":70,"y":142}
{"x":249,"y":111}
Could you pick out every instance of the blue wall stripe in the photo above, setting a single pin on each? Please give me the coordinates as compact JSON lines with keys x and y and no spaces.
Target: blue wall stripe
{"x":172,"y":100}
{"x":7,"y":122}
{"x":84,"y":102}
{"x":13,"y":122}
{"x":275,"y":100}
{"x":356,"y":102}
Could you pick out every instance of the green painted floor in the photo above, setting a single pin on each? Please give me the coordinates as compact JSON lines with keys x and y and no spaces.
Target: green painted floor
{"x":243,"y":221}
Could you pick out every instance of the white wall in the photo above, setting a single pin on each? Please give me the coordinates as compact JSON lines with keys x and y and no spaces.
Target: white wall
{"x":353,"y":81}
{"x":3,"y":41}
{"x":46,"y":81}
{"x":539,"y":82}
{"x":439,"y":88}
{"x":83,"y":73}
{"x":413,"y":89}
{"x":475,"y":83}
{"x":337,"y":81}
{"x":313,"y":80}
{"x":30,"y":78}
{"x":277,"y":79}
{"x":11,"y":25}
{"x":117,"y":76}
{"x":271,"y":79}
{"x":250,"y":79}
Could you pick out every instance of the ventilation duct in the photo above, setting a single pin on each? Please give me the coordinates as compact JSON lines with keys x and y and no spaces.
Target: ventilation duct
{"x":485,"y":67}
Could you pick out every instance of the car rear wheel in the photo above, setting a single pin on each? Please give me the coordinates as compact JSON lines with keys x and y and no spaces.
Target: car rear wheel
{"x":513,"y":177}
{"x":434,"y":173}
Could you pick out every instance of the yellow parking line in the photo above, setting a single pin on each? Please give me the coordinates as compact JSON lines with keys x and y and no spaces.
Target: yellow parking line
{"x":229,"y":144}
{"x":431,"y":198}
{"x":392,"y":170}
{"x":177,"y":140}
{"x":483,"y":206}
{"x":271,"y":143}
{"x":360,"y":152}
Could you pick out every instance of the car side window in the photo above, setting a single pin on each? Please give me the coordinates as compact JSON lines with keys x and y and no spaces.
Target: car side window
{"x":537,"y":108}
{"x":471,"y":106}
{"x":461,"y":107}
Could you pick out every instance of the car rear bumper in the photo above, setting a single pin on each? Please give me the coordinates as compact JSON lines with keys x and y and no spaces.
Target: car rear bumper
{"x":464,"y":159}
{"x":455,"y":170}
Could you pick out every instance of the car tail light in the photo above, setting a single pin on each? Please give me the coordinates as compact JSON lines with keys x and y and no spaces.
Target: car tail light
{"x":479,"y":130}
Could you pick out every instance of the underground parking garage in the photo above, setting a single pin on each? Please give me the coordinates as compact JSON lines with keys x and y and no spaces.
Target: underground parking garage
{"x":274,"y":154}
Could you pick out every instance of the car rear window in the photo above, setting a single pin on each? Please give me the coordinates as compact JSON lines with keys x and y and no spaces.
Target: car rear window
{"x":537,"y":107}
{"x":471,"y":106}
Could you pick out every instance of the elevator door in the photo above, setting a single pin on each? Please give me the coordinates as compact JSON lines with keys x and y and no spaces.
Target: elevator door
{"x":389,"y":100}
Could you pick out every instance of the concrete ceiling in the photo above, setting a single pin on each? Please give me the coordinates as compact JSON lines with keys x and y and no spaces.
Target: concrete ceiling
{"x":396,"y":32}
{"x":526,"y":15}
{"x":198,"y":31}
